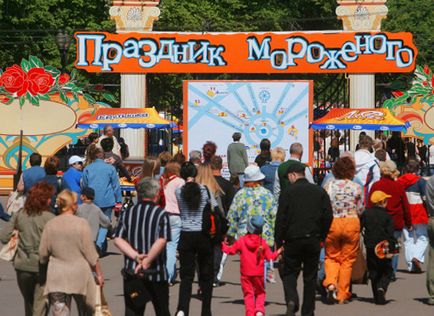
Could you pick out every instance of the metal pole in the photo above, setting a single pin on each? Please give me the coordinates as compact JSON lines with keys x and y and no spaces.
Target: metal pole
{"x":19,"y":165}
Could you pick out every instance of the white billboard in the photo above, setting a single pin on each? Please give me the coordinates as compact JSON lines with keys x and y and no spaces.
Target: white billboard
{"x":277,"y":110}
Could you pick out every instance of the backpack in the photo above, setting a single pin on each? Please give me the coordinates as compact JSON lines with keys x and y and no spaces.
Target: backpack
{"x":214,"y":223}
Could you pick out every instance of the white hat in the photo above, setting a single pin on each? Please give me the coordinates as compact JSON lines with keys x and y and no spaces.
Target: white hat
{"x":253,"y":174}
{"x":75,"y":159}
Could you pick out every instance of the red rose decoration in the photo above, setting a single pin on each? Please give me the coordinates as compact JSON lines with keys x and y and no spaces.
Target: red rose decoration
{"x":40,"y":81}
{"x":63,"y":78}
{"x":15,"y":80}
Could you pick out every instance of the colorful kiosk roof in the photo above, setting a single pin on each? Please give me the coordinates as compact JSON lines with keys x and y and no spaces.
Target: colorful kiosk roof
{"x":360,"y":119}
{"x":125,"y":118}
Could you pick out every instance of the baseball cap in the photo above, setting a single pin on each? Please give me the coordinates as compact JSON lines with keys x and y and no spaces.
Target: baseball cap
{"x":255,"y":224}
{"x":75,"y":159}
{"x":379,"y":196}
{"x":89,"y":193}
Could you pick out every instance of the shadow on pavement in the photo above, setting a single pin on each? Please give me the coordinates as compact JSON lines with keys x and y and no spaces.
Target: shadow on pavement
{"x":422,"y":300}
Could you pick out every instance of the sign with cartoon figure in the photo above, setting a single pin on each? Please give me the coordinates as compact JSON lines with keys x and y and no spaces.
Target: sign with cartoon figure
{"x":277,"y":110}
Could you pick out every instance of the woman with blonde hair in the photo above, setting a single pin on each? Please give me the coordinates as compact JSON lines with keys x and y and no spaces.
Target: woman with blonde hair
{"x":151,"y":168}
{"x":67,"y":247}
{"x":206,"y":178}
{"x":269,"y":169}
{"x":30,"y":223}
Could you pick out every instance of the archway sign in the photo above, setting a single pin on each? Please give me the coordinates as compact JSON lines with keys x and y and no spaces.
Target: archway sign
{"x":277,"y":110}
{"x":283,"y":52}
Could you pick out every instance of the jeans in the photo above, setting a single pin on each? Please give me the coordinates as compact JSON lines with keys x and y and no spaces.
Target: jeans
{"x":430,"y":267}
{"x":298,"y":254}
{"x":32,"y":292}
{"x":218,"y":256}
{"x":101,"y":241}
{"x":222,"y":266}
{"x":321,"y":270}
{"x":415,"y":244}
{"x":397,"y":234}
{"x":241,"y":179}
{"x":195,"y":246}
{"x":175,"y":230}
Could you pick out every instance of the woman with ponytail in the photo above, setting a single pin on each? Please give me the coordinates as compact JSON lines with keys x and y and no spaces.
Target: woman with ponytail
{"x":194,"y":245}
{"x":253,"y":250}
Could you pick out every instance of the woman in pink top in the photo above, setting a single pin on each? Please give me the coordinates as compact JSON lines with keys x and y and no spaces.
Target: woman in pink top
{"x":172,"y":181}
{"x":253,"y":250}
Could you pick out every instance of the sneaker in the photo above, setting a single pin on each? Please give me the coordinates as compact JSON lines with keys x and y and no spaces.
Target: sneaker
{"x":381,"y":297}
{"x":259,"y":314}
{"x":180,"y":313}
{"x":331,"y":294}
{"x":417,"y":267}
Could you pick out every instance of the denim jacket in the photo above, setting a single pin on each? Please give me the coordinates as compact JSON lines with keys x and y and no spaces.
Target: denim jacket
{"x":104,"y":180}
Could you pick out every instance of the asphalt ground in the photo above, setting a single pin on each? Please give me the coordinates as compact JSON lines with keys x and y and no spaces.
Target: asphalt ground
{"x":407,"y":296}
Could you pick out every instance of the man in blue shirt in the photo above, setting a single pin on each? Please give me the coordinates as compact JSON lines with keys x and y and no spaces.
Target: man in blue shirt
{"x":32,"y":175}
{"x":104,"y":180}
{"x":72,"y":176}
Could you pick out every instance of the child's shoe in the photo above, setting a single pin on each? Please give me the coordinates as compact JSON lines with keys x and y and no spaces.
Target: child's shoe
{"x":381,"y":297}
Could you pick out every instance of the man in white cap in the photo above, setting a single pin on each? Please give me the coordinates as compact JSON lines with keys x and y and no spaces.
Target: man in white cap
{"x":72,"y":176}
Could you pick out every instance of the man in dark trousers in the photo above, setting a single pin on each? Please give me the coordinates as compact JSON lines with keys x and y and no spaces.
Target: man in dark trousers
{"x":302,"y":223}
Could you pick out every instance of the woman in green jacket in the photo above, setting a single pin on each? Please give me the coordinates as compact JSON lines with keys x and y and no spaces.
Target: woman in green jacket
{"x":30,"y":223}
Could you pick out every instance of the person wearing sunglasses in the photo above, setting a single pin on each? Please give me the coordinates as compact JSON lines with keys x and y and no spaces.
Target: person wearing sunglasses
{"x":72,"y":176}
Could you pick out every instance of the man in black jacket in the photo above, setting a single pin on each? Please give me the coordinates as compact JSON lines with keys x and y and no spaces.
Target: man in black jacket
{"x":302,"y":222}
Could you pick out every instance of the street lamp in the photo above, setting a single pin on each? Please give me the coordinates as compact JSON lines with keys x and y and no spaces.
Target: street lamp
{"x":63,"y":41}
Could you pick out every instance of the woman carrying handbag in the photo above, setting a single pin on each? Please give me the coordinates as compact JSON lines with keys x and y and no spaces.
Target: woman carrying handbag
{"x":30,"y":223}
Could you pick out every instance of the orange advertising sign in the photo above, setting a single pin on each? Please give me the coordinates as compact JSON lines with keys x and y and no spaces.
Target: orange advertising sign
{"x":286,"y":52}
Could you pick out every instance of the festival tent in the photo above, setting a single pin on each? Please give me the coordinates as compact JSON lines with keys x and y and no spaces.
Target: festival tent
{"x":125,"y":118}
{"x":360,"y":119}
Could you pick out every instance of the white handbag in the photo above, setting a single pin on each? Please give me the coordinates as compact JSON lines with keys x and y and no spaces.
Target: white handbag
{"x":15,"y":202}
{"x":101,"y":306}
{"x":9,"y":250}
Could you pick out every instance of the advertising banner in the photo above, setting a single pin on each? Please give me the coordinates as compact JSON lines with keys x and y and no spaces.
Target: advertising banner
{"x":266,"y":52}
{"x":277,"y":110}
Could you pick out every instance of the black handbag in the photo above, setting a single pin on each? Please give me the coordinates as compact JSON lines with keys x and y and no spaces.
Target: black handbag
{"x":135,"y":289}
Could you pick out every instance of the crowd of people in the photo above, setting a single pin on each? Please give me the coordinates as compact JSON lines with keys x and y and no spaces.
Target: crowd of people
{"x":188,"y":215}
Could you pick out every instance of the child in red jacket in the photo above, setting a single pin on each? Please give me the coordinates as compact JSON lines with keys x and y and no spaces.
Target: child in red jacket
{"x":253,"y":250}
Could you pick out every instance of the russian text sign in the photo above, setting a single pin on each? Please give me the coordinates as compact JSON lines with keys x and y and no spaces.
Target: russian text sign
{"x":287,"y":52}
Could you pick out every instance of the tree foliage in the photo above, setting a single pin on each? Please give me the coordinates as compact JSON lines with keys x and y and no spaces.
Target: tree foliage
{"x":29,"y":27}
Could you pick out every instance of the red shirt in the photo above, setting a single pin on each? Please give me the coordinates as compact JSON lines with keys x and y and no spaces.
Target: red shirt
{"x":397,"y":205}
{"x":248,"y":246}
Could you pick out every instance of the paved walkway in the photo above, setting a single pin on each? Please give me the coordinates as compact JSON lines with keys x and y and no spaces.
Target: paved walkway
{"x":407,"y":295}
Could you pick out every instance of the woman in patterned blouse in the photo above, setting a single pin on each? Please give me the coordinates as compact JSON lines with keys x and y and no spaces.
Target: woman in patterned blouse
{"x":342,"y":242}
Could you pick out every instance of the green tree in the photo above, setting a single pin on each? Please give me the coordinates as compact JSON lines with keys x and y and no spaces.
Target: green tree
{"x":29,"y":27}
